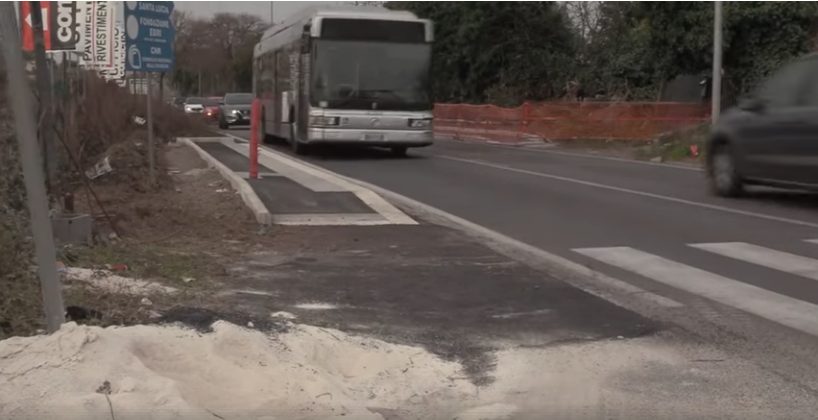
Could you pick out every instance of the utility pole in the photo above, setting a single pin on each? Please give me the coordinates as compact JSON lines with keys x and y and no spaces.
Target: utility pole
{"x":26,"y":132}
{"x":44,"y":83}
{"x":151,"y":169}
{"x":162,"y":87}
{"x":716,"y":82}
{"x":272,"y":13}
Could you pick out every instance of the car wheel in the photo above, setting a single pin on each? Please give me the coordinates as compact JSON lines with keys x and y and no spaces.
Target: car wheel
{"x":399,"y":151}
{"x":724,"y":177}
{"x":223,"y":124}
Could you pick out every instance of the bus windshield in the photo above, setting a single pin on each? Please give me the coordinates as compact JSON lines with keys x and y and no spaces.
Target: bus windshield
{"x":371,"y":75}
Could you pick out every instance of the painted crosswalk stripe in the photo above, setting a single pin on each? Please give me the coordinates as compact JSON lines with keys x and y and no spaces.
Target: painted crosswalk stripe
{"x":812,"y":241}
{"x":770,"y":258}
{"x":794,"y":313}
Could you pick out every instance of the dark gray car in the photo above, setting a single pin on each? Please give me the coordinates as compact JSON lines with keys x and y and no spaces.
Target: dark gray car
{"x":771,"y":138}
{"x":235,"y":109}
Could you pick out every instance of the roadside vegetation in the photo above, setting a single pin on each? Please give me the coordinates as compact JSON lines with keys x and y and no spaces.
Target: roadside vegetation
{"x":509,"y":52}
{"x":95,"y":124}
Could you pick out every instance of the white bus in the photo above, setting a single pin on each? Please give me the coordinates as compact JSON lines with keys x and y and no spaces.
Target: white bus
{"x":346,"y":76}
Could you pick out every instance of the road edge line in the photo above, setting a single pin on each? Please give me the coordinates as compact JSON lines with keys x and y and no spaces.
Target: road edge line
{"x":250,"y":198}
{"x":640,"y":193}
{"x":549,"y":150}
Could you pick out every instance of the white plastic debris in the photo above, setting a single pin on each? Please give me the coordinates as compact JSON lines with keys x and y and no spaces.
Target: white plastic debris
{"x":139,"y":120}
{"x":282,"y":315}
{"x":101,"y":168}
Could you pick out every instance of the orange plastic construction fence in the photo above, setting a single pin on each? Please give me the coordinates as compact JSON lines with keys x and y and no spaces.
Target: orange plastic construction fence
{"x":572,"y":120}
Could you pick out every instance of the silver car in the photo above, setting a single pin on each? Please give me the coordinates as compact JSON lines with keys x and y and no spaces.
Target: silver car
{"x":194,"y":105}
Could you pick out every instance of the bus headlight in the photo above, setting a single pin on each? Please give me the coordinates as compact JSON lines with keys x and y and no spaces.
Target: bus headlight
{"x":420,"y":123}
{"x":321,"y":121}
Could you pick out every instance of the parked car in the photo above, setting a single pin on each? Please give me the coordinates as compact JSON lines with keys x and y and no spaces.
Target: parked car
{"x":235,"y":109}
{"x":771,"y":138}
{"x":194,"y":105}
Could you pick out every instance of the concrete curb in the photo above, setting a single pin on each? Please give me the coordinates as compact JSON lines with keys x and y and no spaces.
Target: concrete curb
{"x":239,"y":184}
{"x":391,"y":214}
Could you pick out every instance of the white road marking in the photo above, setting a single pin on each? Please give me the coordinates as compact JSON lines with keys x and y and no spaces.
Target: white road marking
{"x":782,"y":261}
{"x":512,"y":315}
{"x":794,"y":313}
{"x":812,"y":241}
{"x":636,"y":192}
{"x":389,"y":212}
{"x":330,"y":219}
{"x":587,"y":155}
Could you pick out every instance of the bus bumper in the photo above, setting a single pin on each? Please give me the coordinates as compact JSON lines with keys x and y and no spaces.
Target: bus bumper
{"x":413,"y":138}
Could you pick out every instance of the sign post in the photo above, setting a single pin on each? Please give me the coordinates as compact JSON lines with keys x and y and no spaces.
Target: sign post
{"x":149,"y":35}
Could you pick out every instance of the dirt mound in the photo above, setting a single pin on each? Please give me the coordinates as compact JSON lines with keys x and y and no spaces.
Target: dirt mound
{"x":173,"y":372}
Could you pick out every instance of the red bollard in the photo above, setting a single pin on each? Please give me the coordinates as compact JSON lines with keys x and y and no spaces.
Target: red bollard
{"x":255,"y":115}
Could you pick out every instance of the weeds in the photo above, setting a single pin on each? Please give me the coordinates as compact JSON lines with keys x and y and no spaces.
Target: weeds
{"x":146,"y":261}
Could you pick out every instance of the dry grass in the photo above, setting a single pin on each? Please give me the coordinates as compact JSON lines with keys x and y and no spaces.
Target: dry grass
{"x":101,"y":124}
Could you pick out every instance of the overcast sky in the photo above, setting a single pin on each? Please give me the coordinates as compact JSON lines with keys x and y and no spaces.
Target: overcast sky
{"x":282,"y":9}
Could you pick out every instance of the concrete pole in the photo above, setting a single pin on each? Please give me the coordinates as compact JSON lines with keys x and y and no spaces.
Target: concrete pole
{"x":44,"y":90}
{"x":717,"y":44}
{"x":151,"y":169}
{"x":26,"y":133}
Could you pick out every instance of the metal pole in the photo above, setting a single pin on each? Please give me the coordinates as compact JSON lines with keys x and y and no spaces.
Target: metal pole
{"x":716,"y":83}
{"x":151,"y":171}
{"x":272,"y":13}
{"x":162,"y":87}
{"x":26,"y":130}
{"x":44,"y":85}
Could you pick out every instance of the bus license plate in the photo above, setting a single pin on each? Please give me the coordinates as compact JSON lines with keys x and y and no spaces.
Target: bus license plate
{"x":373,"y":137}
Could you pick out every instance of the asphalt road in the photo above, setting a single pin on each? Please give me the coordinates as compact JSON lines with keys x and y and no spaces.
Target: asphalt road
{"x":653,"y":225}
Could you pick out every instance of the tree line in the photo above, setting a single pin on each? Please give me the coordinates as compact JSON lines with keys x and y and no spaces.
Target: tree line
{"x":215,"y":56}
{"x":509,"y":52}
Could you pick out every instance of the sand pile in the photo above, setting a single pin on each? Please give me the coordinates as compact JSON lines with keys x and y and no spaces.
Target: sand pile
{"x":169,"y":372}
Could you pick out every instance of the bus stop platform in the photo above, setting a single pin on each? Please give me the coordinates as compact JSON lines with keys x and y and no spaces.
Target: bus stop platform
{"x":291,"y":192}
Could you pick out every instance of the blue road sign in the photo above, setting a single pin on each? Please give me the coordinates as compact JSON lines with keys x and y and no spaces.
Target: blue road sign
{"x":149,"y":36}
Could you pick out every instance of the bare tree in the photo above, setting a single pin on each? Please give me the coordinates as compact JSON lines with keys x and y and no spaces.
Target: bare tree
{"x":585,"y":17}
{"x":216,"y":53}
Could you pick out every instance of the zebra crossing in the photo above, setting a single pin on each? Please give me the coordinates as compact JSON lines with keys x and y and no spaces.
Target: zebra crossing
{"x":794,"y":313}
